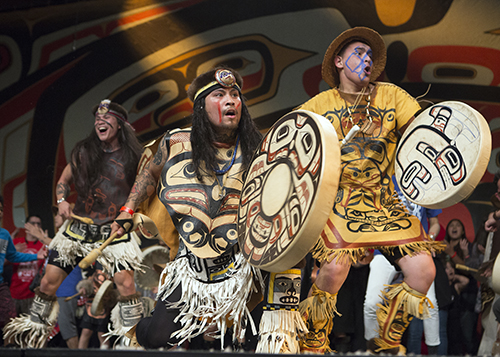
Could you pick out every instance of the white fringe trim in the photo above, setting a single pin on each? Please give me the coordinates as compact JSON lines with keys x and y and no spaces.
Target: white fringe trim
{"x":29,"y":334}
{"x":203,"y":305}
{"x":279,"y":331}
{"x":127,"y":254}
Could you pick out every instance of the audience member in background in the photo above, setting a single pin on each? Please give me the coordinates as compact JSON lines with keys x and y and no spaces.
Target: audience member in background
{"x":90,"y":323}
{"x":24,"y":273}
{"x":457,"y":249}
{"x":487,"y":257}
{"x":67,"y":319}
{"x":457,"y":284}
{"x":8,"y":251}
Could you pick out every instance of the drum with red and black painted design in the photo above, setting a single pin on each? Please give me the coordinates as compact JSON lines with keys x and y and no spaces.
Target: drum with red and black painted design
{"x":289,"y":191}
{"x":443,"y":155}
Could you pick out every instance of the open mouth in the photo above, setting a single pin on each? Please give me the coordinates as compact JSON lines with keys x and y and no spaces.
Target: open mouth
{"x":230,"y":113}
{"x":367,"y":70}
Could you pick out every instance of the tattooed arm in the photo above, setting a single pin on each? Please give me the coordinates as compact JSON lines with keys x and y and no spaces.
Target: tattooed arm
{"x":145,"y":183}
{"x":62,"y":192}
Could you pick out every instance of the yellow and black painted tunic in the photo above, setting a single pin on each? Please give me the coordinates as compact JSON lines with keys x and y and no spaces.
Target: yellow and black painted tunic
{"x":367,"y":212}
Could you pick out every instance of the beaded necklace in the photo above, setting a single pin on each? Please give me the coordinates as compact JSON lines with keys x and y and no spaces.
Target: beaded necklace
{"x":223,"y":171}
{"x":367,"y":126}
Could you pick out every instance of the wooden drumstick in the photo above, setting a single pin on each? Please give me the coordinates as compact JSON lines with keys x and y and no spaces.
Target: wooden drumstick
{"x":465,"y":268}
{"x":71,"y":297}
{"x":83,"y":219}
{"x":92,"y":256}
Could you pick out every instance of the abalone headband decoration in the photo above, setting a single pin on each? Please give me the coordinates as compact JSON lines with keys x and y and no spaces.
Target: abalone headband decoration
{"x":223,"y":79}
{"x":104,"y":108}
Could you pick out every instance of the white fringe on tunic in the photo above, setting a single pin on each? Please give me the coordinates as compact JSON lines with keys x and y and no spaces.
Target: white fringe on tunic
{"x":279,"y":331}
{"x":206,"y":304}
{"x":127,"y":254}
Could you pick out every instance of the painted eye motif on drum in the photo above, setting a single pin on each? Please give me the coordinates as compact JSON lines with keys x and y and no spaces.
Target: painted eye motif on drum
{"x":281,"y":138}
{"x":252,"y":190}
{"x":305,"y":147}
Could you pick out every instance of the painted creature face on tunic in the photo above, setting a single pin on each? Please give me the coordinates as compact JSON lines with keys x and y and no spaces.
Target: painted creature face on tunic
{"x":361,"y":172}
{"x":366,"y":188}
{"x":205,"y":222}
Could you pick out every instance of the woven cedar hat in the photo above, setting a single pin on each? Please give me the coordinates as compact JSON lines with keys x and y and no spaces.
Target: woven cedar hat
{"x":364,"y":34}
{"x":215,"y":78}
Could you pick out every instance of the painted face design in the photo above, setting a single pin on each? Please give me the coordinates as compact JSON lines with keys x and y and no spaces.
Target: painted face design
{"x":280,"y":188}
{"x":223,"y":107}
{"x":359,"y":61}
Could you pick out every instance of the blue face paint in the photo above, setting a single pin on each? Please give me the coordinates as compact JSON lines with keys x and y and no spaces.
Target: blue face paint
{"x":361,"y":54}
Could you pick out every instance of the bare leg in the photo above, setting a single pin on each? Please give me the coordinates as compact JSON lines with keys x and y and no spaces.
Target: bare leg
{"x":51,"y":280}
{"x":124,"y":281}
{"x":419,"y":271}
{"x":85,"y":336}
{"x":331,"y":276}
{"x":72,"y":342}
{"x":104,"y":344}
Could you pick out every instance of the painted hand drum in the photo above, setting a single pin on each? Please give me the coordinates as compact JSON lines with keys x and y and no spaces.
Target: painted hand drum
{"x":149,"y":277}
{"x":443,"y":155}
{"x":289,"y":191}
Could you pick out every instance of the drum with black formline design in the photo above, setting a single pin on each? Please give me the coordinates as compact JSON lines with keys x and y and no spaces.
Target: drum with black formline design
{"x":443,"y":154}
{"x":289,"y":191}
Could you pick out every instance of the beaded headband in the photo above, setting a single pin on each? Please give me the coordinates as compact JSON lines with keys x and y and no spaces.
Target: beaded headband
{"x":104,"y":108}
{"x":223,"y":79}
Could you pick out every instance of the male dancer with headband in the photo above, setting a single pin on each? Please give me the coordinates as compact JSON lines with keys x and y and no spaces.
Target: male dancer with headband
{"x":198,"y":175}
{"x":369,"y":118}
{"x":103,"y":167}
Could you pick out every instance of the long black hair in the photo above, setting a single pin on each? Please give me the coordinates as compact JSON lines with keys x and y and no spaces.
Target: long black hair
{"x":87,"y":158}
{"x":203,"y":136}
{"x":456,"y":248}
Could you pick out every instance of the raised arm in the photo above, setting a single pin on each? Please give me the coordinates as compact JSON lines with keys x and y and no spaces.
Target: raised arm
{"x":62,"y":192}
{"x":145,"y":183}
{"x":434,"y":227}
{"x":11,"y":254}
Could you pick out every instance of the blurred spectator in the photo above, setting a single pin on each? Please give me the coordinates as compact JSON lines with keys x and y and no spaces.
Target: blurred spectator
{"x":458,"y":251}
{"x":95,"y":323}
{"x":7,"y":250}
{"x":348,"y":328}
{"x":489,"y":232}
{"x":24,"y":273}
{"x":457,"y":285}
{"x":68,"y":304}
